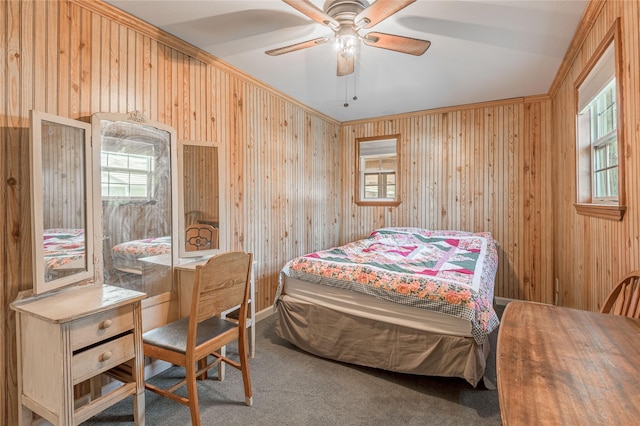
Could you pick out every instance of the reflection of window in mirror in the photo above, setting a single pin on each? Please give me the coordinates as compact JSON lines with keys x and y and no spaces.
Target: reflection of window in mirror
{"x":199,"y":214}
{"x":377,"y":181}
{"x":62,"y":201}
{"x":138,"y":193}
{"x":600,"y":172}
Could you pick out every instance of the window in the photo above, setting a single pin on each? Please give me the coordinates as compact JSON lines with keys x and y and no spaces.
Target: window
{"x":377,"y":165}
{"x":126,"y":175}
{"x":379,"y":185}
{"x":600,"y":189}
{"x":600,"y":133}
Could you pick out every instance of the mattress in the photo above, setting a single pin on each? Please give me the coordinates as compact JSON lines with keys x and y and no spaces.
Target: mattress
{"x":363,"y":305}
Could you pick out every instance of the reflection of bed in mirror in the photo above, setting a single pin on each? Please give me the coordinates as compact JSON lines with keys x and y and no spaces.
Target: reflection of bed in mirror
{"x":134,"y":231}
{"x":127,"y":256}
{"x":63,"y":252}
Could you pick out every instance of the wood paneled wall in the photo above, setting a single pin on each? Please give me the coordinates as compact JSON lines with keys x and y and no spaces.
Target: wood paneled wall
{"x":76,"y":58}
{"x":474,"y":168}
{"x":63,"y":177}
{"x":200,"y":192}
{"x":592,"y":254}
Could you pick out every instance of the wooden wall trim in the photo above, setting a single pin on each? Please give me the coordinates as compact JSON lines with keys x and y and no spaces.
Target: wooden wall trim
{"x":591,"y":13}
{"x":111,"y":12}
{"x":536,"y":98}
{"x":445,"y":110}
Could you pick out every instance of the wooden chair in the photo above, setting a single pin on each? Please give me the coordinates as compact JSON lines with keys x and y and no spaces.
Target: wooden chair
{"x":623,"y":299}
{"x":220,"y":285}
{"x":201,"y":237}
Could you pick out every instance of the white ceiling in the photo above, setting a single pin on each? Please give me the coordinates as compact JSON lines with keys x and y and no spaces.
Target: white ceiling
{"x":480,"y":50}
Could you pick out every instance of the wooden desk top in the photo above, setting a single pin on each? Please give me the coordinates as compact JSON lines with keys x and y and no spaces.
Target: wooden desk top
{"x":76,"y":301}
{"x":565,"y":366}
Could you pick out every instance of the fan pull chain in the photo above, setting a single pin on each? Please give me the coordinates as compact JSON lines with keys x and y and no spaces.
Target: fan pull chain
{"x":346,"y":90}
{"x":355,"y":86}
{"x":346,"y":84}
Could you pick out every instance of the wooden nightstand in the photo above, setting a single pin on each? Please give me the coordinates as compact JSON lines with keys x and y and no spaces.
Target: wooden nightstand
{"x":74,"y":335}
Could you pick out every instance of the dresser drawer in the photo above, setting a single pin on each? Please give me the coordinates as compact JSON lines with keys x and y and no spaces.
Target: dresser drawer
{"x":90,"y":362}
{"x":95,"y":328}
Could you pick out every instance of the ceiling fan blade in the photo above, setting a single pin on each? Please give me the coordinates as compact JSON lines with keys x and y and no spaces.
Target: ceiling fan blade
{"x":297,"y":46}
{"x":412,"y":46}
{"x":346,"y":64}
{"x":379,"y":11}
{"x":309,"y":9}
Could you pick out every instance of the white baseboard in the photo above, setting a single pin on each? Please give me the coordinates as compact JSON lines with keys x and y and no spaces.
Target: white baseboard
{"x":265,"y":313}
{"x":156,"y":367}
{"x":502,"y":301}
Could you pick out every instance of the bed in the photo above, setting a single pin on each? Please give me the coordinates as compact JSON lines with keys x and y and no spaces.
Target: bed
{"x":63,"y":251}
{"x":409,"y":300}
{"x":126,"y":256}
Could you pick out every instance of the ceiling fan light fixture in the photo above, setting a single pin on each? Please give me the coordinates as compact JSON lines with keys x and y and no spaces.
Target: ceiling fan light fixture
{"x":346,"y":44}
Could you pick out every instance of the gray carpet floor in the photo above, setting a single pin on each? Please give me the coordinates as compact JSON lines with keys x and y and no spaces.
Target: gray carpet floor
{"x":292,"y":387}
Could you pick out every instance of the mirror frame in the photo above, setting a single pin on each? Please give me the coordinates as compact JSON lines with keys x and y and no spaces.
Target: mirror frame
{"x":222,"y":210}
{"x":91,"y":238}
{"x":134,"y":117}
{"x":359,"y":189}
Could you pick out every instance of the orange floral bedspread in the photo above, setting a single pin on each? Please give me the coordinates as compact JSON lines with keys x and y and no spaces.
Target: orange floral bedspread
{"x":452,"y":272}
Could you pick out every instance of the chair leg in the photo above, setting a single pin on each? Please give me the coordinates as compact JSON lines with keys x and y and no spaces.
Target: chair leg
{"x":201,"y":364}
{"x":221,"y":366}
{"x":192,"y":392}
{"x":244,"y":368}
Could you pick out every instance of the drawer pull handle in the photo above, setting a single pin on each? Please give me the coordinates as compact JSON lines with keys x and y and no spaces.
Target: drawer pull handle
{"x":105,"y":324}
{"x":105,"y":356}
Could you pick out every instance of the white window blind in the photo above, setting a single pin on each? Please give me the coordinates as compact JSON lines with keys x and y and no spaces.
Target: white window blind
{"x":600,"y":75}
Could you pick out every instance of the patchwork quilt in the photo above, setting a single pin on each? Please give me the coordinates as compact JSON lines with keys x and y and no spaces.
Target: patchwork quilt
{"x":143,"y":248}
{"x":451,"y":272}
{"x":62,"y":247}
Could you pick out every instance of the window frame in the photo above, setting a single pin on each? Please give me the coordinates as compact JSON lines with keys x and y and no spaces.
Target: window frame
{"x":612,"y":208}
{"x":148,"y":173}
{"x":360,"y":198}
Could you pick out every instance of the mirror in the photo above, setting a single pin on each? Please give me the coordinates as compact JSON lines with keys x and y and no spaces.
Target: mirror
{"x":61,"y":192}
{"x":135,"y":157}
{"x":199,"y":213}
{"x":377,"y":177}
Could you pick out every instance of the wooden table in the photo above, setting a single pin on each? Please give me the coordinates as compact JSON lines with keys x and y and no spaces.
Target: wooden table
{"x":566,"y":366}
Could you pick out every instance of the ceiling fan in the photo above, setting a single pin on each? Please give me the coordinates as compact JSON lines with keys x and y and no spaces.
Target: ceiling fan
{"x":346,"y":18}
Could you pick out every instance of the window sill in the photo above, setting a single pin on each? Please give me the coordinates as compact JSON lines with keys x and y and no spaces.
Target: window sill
{"x":603,"y":211}
{"x":389,"y":203}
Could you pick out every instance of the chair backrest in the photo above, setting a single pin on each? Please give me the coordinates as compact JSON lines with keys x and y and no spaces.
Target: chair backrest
{"x":193,"y":216}
{"x":624,"y":299}
{"x":221,"y":284}
{"x":200,"y":237}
